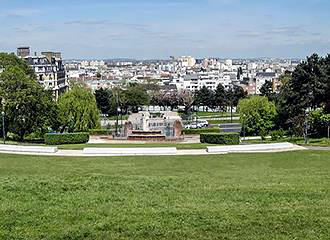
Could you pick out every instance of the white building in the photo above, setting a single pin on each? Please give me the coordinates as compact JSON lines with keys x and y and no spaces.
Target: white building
{"x":50,"y":71}
{"x":187,"y":61}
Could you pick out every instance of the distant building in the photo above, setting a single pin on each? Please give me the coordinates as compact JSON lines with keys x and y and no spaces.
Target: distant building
{"x":262,"y":77}
{"x":49,"y":69}
{"x":23,"y":52}
{"x":187,"y":61}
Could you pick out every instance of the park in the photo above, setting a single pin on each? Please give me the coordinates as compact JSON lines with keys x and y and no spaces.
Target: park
{"x":176,"y":173}
{"x":235,"y":196}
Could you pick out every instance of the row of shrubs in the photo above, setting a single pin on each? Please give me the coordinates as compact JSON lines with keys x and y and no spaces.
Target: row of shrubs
{"x":220,"y":138}
{"x":74,"y":138}
{"x":66,"y":138}
{"x":208,"y":135}
{"x":99,"y":132}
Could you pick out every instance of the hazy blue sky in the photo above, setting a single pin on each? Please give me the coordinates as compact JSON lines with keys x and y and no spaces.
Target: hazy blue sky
{"x":160,"y":28}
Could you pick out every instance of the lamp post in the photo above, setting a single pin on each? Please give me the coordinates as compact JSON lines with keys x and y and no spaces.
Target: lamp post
{"x":244,"y":126}
{"x":2,"y":101}
{"x":3,"y":125}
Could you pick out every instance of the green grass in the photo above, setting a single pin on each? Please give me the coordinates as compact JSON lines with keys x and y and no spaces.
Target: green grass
{"x":316,"y":142}
{"x":222,"y":121}
{"x":215,"y":114}
{"x":236,"y":196}
{"x":321,"y":142}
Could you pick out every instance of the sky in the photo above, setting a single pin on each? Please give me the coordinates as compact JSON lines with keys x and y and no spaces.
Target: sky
{"x":157,"y":29}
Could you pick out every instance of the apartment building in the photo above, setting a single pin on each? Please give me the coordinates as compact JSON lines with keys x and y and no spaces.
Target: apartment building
{"x":49,"y":69}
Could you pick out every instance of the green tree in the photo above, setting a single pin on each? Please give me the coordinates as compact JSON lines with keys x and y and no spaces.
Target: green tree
{"x":266,"y":90}
{"x":319,"y":122}
{"x":78,"y":110}
{"x":28,"y":107}
{"x":257,"y":114}
{"x":233,"y":95}
{"x":10,"y":60}
{"x":104,"y":101}
{"x":326,"y":66}
{"x":220,"y":97}
{"x":135,"y":97}
{"x":205,"y":97}
{"x":307,"y":88}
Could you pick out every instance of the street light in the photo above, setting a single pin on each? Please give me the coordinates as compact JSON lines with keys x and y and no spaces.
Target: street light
{"x":3,"y":126}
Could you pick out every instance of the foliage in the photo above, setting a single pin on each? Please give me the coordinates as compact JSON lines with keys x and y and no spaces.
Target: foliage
{"x":220,"y":138}
{"x":11,"y":60}
{"x":66,"y":138}
{"x":308,"y":88}
{"x":266,"y":90}
{"x":220,"y":97}
{"x":78,"y":110}
{"x":100,"y":132}
{"x":28,"y":107}
{"x":135,"y":97}
{"x":257,"y":114}
{"x":200,"y":130}
{"x":205,"y":97}
{"x":319,"y":122}
{"x":235,"y":94}
{"x":104,"y":101}
{"x":277,"y":134}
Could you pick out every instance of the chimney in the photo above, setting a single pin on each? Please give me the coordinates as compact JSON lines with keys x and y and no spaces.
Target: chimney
{"x":48,"y":55}
{"x":23,"y":52}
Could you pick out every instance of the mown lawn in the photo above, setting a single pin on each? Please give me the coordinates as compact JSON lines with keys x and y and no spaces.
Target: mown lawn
{"x":237,"y":196}
{"x":216,"y":114}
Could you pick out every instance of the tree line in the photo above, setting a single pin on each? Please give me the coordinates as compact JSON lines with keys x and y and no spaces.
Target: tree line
{"x":301,"y":105}
{"x":133,"y":97}
{"x":302,"y":102}
{"x":28,"y":110}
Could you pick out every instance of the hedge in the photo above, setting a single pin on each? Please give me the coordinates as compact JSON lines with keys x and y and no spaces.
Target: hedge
{"x":200,"y":131}
{"x":100,"y":132}
{"x":220,"y":138}
{"x":66,"y":138}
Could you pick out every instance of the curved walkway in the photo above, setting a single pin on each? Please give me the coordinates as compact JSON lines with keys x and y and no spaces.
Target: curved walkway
{"x":317,"y":148}
{"x":99,"y":152}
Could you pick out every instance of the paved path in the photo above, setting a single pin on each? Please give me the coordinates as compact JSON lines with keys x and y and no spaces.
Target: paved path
{"x":318,"y":148}
{"x":190,"y":152}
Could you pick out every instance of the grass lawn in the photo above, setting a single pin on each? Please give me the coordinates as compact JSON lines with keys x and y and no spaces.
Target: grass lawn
{"x":236,"y":196}
{"x":215,"y":114}
{"x":317,"y":142}
{"x":222,"y":121}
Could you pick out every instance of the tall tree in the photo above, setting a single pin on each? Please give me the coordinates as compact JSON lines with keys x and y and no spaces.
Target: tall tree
{"x":234,"y":94}
{"x":220,"y":97}
{"x":104,"y":101}
{"x":136,"y":96}
{"x":257,"y":115}
{"x":28,"y":107}
{"x":204,"y":97}
{"x":78,"y":110}
{"x":266,"y":90}
{"x":308,"y":88}
{"x":326,"y":66}
{"x":10,"y":60}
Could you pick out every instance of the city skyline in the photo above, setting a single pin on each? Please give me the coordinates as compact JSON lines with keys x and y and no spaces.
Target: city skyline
{"x":157,"y":29}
